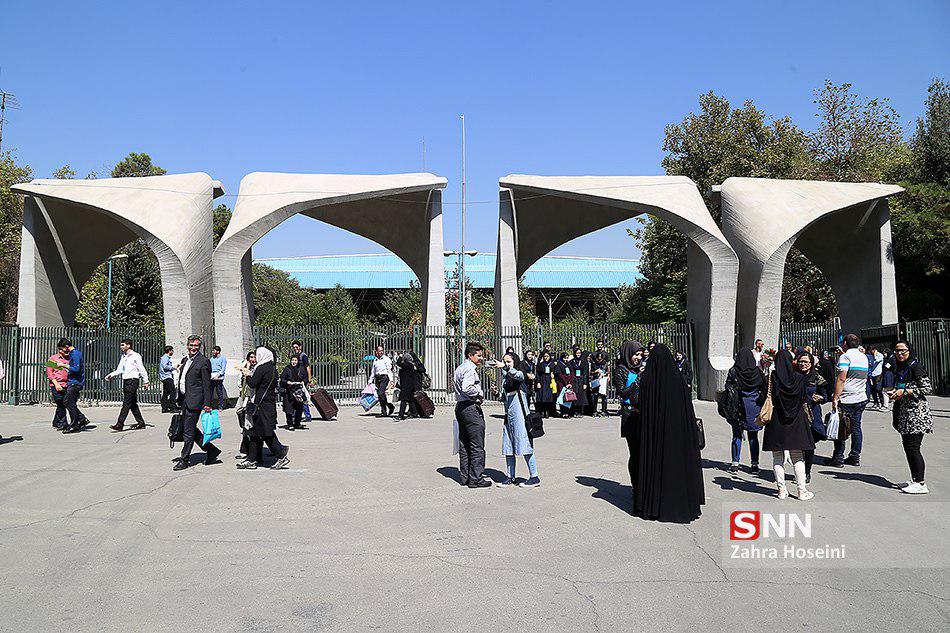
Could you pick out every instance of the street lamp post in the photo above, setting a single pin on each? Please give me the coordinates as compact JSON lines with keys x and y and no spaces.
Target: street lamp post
{"x":109,"y":289}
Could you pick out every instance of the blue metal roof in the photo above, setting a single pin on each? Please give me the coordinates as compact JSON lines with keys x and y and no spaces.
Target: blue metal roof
{"x":385,"y":270}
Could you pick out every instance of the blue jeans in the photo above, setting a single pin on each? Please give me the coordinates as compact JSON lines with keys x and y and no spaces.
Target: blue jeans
{"x":737,"y":444}
{"x":854,"y":413}
{"x":532,"y":465}
{"x":306,"y":413}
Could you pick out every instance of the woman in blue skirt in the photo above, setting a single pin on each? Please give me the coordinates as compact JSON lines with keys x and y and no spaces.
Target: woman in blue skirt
{"x":515,"y":440}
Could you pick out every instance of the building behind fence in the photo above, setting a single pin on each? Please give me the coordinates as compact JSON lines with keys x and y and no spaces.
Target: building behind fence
{"x":342,"y":357}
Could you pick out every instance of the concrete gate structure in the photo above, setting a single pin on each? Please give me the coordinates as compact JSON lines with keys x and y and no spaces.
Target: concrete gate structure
{"x":401,"y":212}
{"x":843,"y":228}
{"x":72,"y":226}
{"x":531,"y":223}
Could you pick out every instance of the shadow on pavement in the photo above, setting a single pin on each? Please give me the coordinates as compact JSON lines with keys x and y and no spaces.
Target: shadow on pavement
{"x":12,"y":438}
{"x":874,"y":480}
{"x":452,"y":472}
{"x":615,"y":493}
{"x":734,"y":483}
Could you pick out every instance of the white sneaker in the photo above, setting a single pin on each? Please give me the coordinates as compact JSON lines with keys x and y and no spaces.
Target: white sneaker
{"x":805,"y":494}
{"x":916,"y":489}
{"x":905,"y":484}
{"x":782,"y":492}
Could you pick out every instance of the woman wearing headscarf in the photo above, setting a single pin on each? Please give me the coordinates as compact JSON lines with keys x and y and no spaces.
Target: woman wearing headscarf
{"x":669,"y":483}
{"x":826,"y":367}
{"x":260,"y":421}
{"x":746,"y":381}
{"x":789,"y":430}
{"x":579,"y":365}
{"x":546,"y":387}
{"x":817,"y":390}
{"x":683,"y":364}
{"x":514,"y":438}
{"x":912,"y":416}
{"x":562,"y":378}
{"x":628,"y":392}
{"x":600,"y":370}
{"x":527,"y":368}
{"x":411,"y":371}
{"x":293,"y":377}
{"x":246,"y":368}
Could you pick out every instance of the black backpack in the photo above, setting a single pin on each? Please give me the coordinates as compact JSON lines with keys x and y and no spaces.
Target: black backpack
{"x":176,"y":430}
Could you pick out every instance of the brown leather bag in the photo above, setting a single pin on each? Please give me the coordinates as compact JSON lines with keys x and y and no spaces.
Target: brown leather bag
{"x":765,"y":414}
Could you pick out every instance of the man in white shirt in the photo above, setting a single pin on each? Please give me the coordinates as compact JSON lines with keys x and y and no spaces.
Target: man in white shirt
{"x":757,"y":351}
{"x":875,"y":378}
{"x":471,"y":420}
{"x":132,"y":370}
{"x":850,"y":398}
{"x":381,"y":376}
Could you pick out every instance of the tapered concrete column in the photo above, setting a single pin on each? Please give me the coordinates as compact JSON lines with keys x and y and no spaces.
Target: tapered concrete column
{"x":433,"y":296}
{"x":72,"y":226}
{"x":401,"y":212}
{"x":532,"y":222}
{"x":843,"y":228}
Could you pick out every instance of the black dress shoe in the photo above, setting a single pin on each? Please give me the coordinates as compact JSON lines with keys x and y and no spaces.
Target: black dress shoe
{"x":481,"y":483}
{"x":117,"y":427}
{"x":176,"y":459}
{"x":211,"y":462}
{"x":181,"y":464}
{"x":854,"y":460}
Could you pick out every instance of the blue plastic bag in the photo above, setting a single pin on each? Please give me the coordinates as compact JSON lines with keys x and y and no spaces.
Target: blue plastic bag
{"x":562,"y":402}
{"x":368,"y":401}
{"x":210,"y":426}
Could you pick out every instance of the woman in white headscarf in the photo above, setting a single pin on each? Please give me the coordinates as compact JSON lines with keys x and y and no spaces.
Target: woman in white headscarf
{"x":260,"y":422}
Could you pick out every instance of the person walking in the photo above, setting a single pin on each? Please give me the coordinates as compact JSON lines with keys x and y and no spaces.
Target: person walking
{"x":817,"y":391}
{"x":296,"y":349}
{"x":627,"y":386}
{"x":166,"y":375}
{"x":75,"y":379}
{"x":260,"y":413}
{"x":194,"y":398}
{"x":292,"y":381}
{"x":381,"y":375}
{"x":57,"y":373}
{"x":911,"y":416}
{"x":246,"y":368}
{"x":133,"y":373}
{"x":411,"y":371}
{"x":471,"y":421}
{"x":219,"y":366}
{"x":789,"y":430}
{"x":514,"y":438}
{"x":747,"y":383}
{"x":850,"y":398}
{"x":669,"y":484}
{"x":545,"y":385}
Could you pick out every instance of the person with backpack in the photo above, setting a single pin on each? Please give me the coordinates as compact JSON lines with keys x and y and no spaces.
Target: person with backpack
{"x":741,"y":405}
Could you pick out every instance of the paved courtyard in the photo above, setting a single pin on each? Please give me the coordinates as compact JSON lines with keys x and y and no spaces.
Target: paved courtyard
{"x":368,"y":530}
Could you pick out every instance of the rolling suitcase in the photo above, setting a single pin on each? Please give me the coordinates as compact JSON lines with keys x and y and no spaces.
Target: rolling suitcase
{"x":325,"y":404}
{"x":426,"y":408}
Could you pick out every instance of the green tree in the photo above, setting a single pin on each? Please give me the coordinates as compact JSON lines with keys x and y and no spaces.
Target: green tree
{"x":402,"y":306}
{"x":11,"y":222}
{"x":135,"y":165}
{"x":220,"y":218}
{"x":931,"y":141}
{"x":64,"y":173}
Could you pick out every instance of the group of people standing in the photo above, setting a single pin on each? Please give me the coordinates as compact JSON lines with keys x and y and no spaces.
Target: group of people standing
{"x":405,"y":371}
{"x":796,"y":384}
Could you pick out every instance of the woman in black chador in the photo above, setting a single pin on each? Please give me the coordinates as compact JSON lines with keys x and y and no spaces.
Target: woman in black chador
{"x":669,"y":470}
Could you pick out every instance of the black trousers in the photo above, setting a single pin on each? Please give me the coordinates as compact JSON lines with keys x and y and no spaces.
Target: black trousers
{"x":130,"y":401}
{"x":168,"y":396}
{"x":381,"y":383}
{"x":413,"y":409}
{"x":192,"y":434}
{"x":595,"y":396}
{"x":294,"y":411}
{"x":633,"y":445}
{"x":218,"y":394}
{"x":471,"y":441}
{"x":71,"y":402}
{"x":255,"y":447}
{"x":59,"y":417}
{"x":915,"y":458}
{"x":809,"y":456}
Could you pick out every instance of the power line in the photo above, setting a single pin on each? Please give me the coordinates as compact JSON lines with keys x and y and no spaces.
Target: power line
{"x":7,"y":100}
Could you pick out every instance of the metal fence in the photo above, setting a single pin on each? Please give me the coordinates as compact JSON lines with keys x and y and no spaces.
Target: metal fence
{"x":819,"y":335}
{"x":931,"y":341}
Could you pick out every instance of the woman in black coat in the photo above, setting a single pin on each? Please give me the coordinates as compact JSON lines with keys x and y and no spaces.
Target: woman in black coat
{"x":564,"y":382}
{"x":410,"y":381}
{"x":545,"y":394}
{"x":790,"y":426}
{"x":260,"y":419}
{"x":293,"y":377}
{"x":628,"y":389}
{"x":580,"y":377}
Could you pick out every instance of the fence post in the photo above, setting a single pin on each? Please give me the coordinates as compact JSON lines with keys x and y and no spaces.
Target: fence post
{"x":14,"y":368}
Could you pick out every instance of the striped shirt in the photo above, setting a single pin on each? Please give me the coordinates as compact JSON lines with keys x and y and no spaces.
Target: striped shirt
{"x":855,"y":388}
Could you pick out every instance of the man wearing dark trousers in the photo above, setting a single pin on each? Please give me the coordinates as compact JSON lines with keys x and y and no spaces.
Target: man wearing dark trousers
{"x":471,"y":421}
{"x":74,"y":382}
{"x":194,"y":397}
{"x":132,"y":371}
{"x":166,"y":374}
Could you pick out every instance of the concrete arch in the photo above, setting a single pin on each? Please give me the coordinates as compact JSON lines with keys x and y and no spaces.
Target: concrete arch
{"x":401,"y":212}
{"x":526,"y":233}
{"x":72,"y":226}
{"x":843,"y":228}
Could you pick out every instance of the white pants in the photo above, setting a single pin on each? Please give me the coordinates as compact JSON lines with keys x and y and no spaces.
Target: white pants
{"x":798,"y":463}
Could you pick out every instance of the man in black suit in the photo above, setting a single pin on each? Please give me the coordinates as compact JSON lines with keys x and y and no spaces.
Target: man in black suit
{"x":194,"y":397}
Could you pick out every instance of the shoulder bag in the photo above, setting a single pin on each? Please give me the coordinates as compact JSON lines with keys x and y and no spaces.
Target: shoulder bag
{"x":765,"y":414}
{"x":533,"y":422}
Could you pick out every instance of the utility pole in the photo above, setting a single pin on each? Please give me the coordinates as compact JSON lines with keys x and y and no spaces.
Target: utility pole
{"x":423,"y":153}
{"x":462,"y":249}
{"x":7,"y":100}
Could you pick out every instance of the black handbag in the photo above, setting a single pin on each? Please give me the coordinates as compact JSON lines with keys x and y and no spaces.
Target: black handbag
{"x":701,"y":433}
{"x":176,"y":430}
{"x":533,"y":422}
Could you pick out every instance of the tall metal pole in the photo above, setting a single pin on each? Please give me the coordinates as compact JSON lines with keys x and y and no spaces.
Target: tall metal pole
{"x":109,"y":296}
{"x":462,"y":249}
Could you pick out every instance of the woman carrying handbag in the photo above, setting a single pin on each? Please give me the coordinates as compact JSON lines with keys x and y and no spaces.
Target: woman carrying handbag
{"x":515,"y":438}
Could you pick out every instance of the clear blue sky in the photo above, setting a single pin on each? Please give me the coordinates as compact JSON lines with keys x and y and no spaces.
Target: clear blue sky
{"x":547,"y":88}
